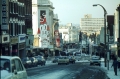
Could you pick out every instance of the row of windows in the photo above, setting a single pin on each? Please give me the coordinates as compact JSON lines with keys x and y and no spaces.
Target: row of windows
{"x":16,"y":29}
{"x":16,"y":8}
{"x":92,"y":25}
{"x":90,"y":22}
{"x":92,"y":19}
{"x":19,"y":8}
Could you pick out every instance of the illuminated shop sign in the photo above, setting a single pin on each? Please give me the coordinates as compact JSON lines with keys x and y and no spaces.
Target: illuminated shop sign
{"x":21,"y":38}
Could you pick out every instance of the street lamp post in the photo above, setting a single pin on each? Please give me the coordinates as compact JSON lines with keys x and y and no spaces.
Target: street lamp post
{"x":105,"y":13}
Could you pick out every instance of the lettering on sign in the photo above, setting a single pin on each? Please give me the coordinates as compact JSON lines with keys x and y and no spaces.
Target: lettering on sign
{"x":5,"y":38}
{"x":3,"y":8}
{"x":21,"y":46}
{"x":3,"y":2}
{"x":22,"y":38}
{"x":4,"y":14}
{"x":14,"y":40}
{"x":4,"y":20}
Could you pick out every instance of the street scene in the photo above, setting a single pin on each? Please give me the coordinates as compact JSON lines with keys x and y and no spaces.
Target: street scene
{"x":59,"y":39}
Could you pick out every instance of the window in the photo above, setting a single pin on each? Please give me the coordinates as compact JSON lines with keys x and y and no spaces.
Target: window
{"x":11,"y":29}
{"x":10,"y":7}
{"x":18,"y":64}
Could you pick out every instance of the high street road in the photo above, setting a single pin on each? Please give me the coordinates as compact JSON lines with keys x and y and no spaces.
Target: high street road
{"x":79,"y":70}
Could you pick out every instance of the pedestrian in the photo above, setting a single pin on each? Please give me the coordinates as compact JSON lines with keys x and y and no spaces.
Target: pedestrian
{"x":114,"y":65}
{"x":118,"y":59}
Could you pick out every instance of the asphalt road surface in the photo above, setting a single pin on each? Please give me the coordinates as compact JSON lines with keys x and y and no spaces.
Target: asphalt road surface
{"x":79,"y":70}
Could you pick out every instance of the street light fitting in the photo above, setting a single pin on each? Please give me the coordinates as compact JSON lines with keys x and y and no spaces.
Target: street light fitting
{"x":95,"y":5}
{"x":105,"y":14}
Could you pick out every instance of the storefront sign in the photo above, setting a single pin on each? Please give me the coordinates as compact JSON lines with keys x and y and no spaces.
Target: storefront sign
{"x":21,"y":38}
{"x":29,"y":31}
{"x":21,"y":46}
{"x":5,"y":39}
{"x":14,"y":40}
{"x":4,"y":15}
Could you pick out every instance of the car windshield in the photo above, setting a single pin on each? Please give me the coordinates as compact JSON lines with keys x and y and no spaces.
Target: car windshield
{"x":95,"y":58}
{"x":5,"y":64}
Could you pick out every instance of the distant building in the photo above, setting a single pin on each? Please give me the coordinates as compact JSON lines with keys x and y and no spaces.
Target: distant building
{"x":89,"y":24}
{"x":70,"y":33}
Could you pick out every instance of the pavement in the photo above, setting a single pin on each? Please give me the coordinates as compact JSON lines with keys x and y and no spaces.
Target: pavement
{"x":110,"y":71}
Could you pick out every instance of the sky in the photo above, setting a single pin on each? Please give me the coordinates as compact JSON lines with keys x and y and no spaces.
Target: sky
{"x":71,"y":11}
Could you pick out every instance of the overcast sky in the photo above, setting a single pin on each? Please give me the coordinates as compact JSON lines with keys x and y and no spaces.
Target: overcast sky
{"x":70,"y":11}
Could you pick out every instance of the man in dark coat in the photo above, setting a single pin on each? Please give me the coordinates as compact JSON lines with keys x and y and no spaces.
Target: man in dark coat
{"x":115,"y":64}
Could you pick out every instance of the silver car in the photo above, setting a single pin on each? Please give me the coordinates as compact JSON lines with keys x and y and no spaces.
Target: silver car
{"x":12,"y":68}
{"x":63,"y":60}
{"x":95,"y":60}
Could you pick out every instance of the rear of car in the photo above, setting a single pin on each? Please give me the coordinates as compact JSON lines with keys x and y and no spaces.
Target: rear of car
{"x":26,"y":62}
{"x":41,"y":60}
{"x":72,"y":59}
{"x":12,"y":68}
{"x":55,"y":60}
{"x":34,"y":61}
{"x":95,"y":60}
{"x":63,"y":60}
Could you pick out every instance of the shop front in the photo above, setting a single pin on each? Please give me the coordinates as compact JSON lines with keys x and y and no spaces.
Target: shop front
{"x":4,"y":45}
{"x":14,"y":46}
{"x":22,"y":45}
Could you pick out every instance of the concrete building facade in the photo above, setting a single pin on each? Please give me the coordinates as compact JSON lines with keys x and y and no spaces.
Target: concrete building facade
{"x":16,"y":19}
{"x":89,"y":24}
{"x":70,"y":33}
{"x":42,"y":11}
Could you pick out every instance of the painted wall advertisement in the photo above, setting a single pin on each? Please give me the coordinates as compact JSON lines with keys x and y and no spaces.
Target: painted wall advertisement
{"x":57,"y":38}
{"x":43,"y":30}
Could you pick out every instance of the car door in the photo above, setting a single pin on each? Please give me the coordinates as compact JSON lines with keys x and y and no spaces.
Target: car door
{"x":21,"y":72}
{"x":18,"y":70}
{"x":13,"y":68}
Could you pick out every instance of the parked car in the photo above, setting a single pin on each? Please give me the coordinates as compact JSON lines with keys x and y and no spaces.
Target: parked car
{"x":27,"y":62}
{"x":34,"y":61}
{"x":95,"y":60}
{"x":41,"y":60}
{"x":55,"y":60}
{"x":11,"y":67}
{"x":72,"y":59}
{"x":63,"y":60}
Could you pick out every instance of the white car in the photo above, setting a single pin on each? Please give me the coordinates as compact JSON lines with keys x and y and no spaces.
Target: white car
{"x":95,"y":60}
{"x":11,"y":67}
{"x":63,"y":60}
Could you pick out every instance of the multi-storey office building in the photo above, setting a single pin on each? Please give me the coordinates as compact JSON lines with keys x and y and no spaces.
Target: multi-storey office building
{"x":70,"y":33}
{"x":92,"y":25}
{"x":89,"y":24}
{"x":15,"y":26}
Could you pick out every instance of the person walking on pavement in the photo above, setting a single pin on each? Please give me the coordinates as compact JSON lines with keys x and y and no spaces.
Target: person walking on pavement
{"x":115,"y":65}
{"x":118,"y":63}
